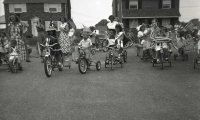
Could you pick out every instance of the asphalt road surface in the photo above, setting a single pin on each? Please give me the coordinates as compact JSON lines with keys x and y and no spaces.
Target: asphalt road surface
{"x":135,"y":92}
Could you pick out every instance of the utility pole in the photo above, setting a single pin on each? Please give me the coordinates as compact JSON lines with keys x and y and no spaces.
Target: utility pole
{"x":65,"y":8}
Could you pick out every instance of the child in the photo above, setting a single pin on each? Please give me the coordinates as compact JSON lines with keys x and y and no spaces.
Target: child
{"x":180,"y":44}
{"x":146,"y":45}
{"x":4,"y":44}
{"x":119,"y":39}
{"x":86,"y":43}
{"x":111,"y":41}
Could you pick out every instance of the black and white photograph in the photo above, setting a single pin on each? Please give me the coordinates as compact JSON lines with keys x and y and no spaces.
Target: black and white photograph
{"x":99,"y":59}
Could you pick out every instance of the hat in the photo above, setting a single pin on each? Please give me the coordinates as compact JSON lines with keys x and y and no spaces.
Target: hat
{"x":86,"y":31}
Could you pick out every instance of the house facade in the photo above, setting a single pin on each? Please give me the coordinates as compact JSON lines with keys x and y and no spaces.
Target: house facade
{"x":30,"y":11}
{"x":135,"y":12}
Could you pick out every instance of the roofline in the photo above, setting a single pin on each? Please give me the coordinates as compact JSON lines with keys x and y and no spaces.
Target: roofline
{"x":152,"y":17}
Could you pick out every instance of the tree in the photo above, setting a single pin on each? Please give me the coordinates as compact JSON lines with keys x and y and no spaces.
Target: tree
{"x":102,"y":23}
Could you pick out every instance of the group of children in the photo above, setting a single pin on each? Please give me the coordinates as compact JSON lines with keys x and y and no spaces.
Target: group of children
{"x":152,"y":39}
{"x":115,"y":37}
{"x":115,"y":34}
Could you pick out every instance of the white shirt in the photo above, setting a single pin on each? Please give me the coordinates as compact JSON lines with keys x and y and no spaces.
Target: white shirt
{"x":140,"y":34}
{"x":112,"y":25}
{"x":111,"y":41}
{"x":85,"y":43}
{"x":119,"y":38}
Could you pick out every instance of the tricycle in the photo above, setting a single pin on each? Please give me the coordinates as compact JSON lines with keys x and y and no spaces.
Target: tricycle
{"x":84,"y":63}
{"x":113,"y":59}
{"x":163,"y":54}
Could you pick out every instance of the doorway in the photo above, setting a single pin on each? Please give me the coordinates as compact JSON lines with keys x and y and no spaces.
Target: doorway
{"x":34,"y":22}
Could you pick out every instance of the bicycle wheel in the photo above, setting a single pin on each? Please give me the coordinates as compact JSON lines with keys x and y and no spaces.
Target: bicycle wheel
{"x":48,"y":66}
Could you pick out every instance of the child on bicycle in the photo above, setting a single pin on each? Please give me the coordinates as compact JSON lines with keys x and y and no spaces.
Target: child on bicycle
{"x":86,"y":42}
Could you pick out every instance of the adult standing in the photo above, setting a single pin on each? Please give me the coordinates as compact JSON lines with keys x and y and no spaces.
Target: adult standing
{"x":41,"y":36}
{"x":111,"y":26}
{"x":15,"y":33}
{"x":24,"y":38}
{"x":64,"y":39}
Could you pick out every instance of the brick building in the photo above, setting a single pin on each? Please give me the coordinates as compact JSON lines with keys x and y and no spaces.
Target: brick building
{"x":30,"y":11}
{"x":134,"y":12}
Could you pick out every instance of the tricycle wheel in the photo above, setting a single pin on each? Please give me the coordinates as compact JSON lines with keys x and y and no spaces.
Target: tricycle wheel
{"x":170,"y":64}
{"x":14,"y":66}
{"x":162,"y":61}
{"x":125,"y":56}
{"x":82,"y":65}
{"x":60,"y":68}
{"x":98,"y":65}
{"x":111,"y":63}
{"x":48,"y":66}
{"x":106,"y":63}
{"x":175,"y":56}
{"x":93,"y":51}
{"x":121,"y":62}
{"x":153,"y":62}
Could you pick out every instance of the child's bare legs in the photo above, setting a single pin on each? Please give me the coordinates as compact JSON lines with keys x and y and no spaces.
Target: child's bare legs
{"x":157,"y":55}
{"x":88,"y":54}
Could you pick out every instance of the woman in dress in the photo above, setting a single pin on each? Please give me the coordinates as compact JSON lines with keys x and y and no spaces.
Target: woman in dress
{"x":15,"y":32}
{"x":64,"y":40}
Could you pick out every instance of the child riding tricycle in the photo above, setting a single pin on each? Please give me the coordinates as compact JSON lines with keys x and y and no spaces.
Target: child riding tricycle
{"x":116,"y":54}
{"x":85,"y":57}
{"x":162,"y":52}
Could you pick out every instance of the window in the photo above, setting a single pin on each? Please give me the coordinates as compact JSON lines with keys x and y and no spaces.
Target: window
{"x":166,"y":4}
{"x":52,"y":8}
{"x":150,"y":4}
{"x":133,"y":4}
{"x":17,"y":8}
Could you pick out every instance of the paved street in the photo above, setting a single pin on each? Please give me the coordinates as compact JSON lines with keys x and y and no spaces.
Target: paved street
{"x":136,"y":92}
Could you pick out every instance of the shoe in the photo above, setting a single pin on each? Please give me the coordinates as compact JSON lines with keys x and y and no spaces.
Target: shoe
{"x":157,"y":60}
{"x":28,"y":61}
